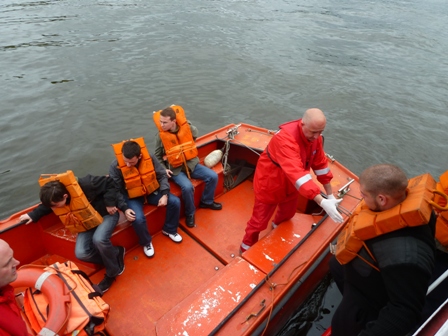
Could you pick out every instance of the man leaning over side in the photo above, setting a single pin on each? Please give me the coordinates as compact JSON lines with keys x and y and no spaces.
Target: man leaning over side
{"x":283,"y":172}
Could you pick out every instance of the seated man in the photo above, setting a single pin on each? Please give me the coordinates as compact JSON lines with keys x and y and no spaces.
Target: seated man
{"x":385,"y":285}
{"x":175,"y":140}
{"x":93,"y":245}
{"x":11,"y":322}
{"x":140,"y":178}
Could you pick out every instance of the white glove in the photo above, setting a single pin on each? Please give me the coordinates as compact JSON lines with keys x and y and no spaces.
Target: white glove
{"x":330,"y":207}
{"x":331,"y":196}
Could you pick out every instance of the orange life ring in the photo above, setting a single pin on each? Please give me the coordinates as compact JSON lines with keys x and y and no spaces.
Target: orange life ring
{"x":54,"y":290}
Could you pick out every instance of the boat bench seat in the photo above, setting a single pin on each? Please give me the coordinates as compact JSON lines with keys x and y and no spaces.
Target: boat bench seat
{"x":61,"y":241}
{"x":156,"y":226}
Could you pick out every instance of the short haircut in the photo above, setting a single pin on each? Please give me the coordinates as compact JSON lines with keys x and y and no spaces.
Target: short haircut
{"x":385,"y":179}
{"x":52,"y":192}
{"x":168,"y":112}
{"x":131,"y":149}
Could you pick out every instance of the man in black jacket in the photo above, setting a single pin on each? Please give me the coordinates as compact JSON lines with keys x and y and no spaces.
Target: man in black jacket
{"x":93,"y":245}
{"x":388,"y":300}
{"x":133,"y":157}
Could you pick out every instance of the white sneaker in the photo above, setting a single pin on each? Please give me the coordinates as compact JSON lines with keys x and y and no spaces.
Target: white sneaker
{"x":149,"y":250}
{"x":175,"y":237}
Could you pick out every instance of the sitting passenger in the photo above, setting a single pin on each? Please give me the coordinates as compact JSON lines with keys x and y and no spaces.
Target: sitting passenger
{"x":176,"y":151}
{"x":145,"y":181}
{"x":93,"y":245}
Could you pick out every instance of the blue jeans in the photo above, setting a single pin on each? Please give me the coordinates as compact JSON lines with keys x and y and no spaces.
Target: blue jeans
{"x":201,"y":173}
{"x":94,"y":245}
{"x":140,"y":225}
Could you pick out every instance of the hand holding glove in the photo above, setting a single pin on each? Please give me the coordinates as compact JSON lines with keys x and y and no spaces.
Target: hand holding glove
{"x":330,"y":207}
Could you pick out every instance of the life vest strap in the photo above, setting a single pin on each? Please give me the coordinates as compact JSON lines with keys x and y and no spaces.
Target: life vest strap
{"x":371,"y":256}
{"x":179,"y":151}
{"x":437,"y":206}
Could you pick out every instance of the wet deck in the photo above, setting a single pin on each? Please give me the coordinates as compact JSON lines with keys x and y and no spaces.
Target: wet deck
{"x":138,"y":301}
{"x":202,"y":286}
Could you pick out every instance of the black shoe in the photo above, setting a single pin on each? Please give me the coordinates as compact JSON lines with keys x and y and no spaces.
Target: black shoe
{"x":105,"y":284}
{"x":121,"y":251}
{"x":189,"y":220}
{"x":213,"y":206}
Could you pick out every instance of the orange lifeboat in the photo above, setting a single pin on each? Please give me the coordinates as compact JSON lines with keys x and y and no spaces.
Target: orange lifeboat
{"x":54,"y":290}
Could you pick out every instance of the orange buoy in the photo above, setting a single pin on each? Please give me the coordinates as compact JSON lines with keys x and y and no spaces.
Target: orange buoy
{"x":55,"y":292}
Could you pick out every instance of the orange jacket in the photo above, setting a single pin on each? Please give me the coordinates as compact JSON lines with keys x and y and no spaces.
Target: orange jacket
{"x":79,"y":215}
{"x":180,"y":146}
{"x":141,"y":180}
{"x":365,"y":224}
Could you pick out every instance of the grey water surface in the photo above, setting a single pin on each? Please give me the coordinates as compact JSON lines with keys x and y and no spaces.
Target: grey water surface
{"x":79,"y":75}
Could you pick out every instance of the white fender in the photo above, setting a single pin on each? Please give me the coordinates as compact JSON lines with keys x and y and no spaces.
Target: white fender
{"x":213,"y":158}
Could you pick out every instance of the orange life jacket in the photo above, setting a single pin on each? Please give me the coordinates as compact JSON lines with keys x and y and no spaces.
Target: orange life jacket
{"x":180,"y":146}
{"x":56,"y":294}
{"x":138,"y":181}
{"x":79,"y":215}
{"x":85,"y":313}
{"x":365,"y":224}
{"x":442,"y":219}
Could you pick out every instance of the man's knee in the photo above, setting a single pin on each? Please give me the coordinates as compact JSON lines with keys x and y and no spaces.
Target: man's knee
{"x":139,"y":221}
{"x":81,"y":254}
{"x":213,"y":174}
{"x":187,"y":188}
{"x":99,"y":242}
{"x":173,"y":201}
{"x":257,"y":224}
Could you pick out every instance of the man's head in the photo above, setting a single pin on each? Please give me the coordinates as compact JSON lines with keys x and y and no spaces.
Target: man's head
{"x":168,"y":119}
{"x":383,"y":186}
{"x":53,"y":194}
{"x":313,"y":123}
{"x":8,"y":264}
{"x":131,"y":153}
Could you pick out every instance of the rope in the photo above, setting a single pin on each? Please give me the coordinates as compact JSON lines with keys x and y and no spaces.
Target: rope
{"x":272,"y":286}
{"x":228,"y":178}
{"x":227,"y":169}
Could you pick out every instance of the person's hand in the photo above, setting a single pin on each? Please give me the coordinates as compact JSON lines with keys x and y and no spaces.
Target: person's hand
{"x":111,"y":210}
{"x":330,"y":207}
{"x":331,"y":196}
{"x":130,"y":215}
{"x":169,"y":173}
{"x":27,"y":218}
{"x":163,"y":200}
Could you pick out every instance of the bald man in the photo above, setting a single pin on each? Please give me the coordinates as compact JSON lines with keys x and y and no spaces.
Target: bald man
{"x":283,"y":172}
{"x":11,"y":322}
